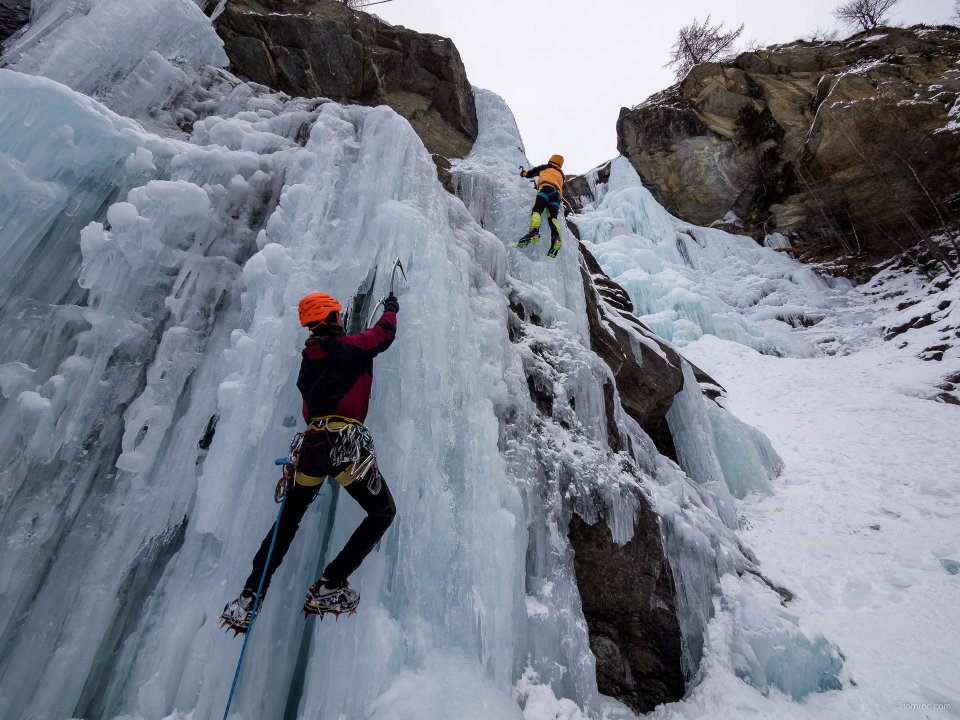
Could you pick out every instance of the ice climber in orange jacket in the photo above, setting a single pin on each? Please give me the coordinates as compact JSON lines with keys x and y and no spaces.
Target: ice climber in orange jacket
{"x":549,"y":195}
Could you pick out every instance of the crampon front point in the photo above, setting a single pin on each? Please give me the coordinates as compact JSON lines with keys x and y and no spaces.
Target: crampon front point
{"x":321,"y":600}
{"x":237,"y":628}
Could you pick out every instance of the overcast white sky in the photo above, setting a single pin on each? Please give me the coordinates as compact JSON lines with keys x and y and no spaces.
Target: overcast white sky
{"x":566,"y":67}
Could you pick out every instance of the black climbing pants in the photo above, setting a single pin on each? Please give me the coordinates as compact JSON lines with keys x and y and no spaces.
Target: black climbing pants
{"x":548,"y":198}
{"x":371,"y":492}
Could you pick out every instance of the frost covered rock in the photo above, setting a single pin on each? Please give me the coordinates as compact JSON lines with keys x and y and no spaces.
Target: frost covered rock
{"x":14,"y":14}
{"x":861,"y":117}
{"x":646,"y":369}
{"x":629,"y":602}
{"x":323,"y":48}
{"x":582,"y":190}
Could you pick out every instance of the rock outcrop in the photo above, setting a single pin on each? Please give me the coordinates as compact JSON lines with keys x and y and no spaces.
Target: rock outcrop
{"x":321,"y":48}
{"x":628,"y":598}
{"x":867,"y":159}
{"x":627,"y":592}
{"x":14,"y":14}
{"x":646,"y":383}
{"x":580,"y":190}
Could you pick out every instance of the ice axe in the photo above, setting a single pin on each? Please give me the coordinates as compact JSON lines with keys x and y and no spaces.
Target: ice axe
{"x":531,"y":179}
{"x":393,"y":277}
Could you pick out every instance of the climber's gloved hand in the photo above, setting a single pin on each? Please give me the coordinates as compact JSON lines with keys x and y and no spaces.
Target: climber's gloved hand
{"x":523,"y":173}
{"x":391,"y":304}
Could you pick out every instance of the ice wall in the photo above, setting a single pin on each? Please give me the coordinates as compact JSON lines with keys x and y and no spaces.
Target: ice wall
{"x":558,"y":455}
{"x":109,"y":378}
{"x":748,"y":460}
{"x":770,"y":646}
{"x":133,"y":55}
{"x":693,"y":438}
{"x":686,"y":281}
{"x":489,"y":183}
{"x":718,"y":450}
{"x":183,"y":311}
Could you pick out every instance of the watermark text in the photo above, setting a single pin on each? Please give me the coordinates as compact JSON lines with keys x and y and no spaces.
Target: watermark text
{"x":922,"y":706}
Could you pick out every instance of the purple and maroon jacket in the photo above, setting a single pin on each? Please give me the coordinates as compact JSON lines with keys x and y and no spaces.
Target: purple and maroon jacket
{"x":336,"y":373}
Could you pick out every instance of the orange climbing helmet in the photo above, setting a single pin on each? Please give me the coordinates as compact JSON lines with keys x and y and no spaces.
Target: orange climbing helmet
{"x":557,"y":160}
{"x":319,"y":308}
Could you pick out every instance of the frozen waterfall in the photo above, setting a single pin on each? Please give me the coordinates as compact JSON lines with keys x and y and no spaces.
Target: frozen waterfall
{"x":155,"y":242}
{"x":687,"y":281}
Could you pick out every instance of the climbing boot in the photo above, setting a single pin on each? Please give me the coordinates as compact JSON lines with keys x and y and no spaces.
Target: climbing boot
{"x":237,"y":613}
{"x":324,"y":597}
{"x":531,"y":237}
{"x":554,"y":247}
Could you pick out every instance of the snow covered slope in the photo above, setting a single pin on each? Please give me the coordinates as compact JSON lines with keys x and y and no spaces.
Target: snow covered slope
{"x":863,"y":525}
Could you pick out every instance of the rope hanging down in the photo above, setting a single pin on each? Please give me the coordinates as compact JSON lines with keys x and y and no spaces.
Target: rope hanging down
{"x":256,"y":604}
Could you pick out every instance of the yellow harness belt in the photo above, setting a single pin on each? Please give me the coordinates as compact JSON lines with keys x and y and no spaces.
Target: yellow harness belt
{"x":333,"y":423}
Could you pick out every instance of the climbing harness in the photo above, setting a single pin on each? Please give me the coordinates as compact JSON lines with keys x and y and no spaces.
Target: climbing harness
{"x":350,"y":442}
{"x":256,"y":606}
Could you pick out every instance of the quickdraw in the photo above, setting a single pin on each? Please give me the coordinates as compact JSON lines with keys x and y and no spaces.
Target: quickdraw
{"x":289,"y":463}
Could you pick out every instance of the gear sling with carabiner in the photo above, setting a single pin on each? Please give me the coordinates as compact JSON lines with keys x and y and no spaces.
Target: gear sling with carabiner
{"x":350,"y":444}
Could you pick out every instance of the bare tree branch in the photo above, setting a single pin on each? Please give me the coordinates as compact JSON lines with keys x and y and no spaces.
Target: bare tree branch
{"x":824,"y":34}
{"x":698,"y":43}
{"x":865,"y":14}
{"x":360,"y":4}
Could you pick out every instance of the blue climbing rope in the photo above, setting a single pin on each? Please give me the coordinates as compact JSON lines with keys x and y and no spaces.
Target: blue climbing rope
{"x":256,"y":604}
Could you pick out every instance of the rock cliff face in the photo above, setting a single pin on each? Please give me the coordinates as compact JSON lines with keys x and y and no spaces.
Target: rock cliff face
{"x":628,"y":598}
{"x":646,"y":384}
{"x":628,"y":593}
{"x":322,"y":48}
{"x":14,"y":14}
{"x":581,"y":189}
{"x":868,"y":159}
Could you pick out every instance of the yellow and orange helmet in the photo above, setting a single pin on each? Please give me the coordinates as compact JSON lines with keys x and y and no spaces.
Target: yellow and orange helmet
{"x":557,"y":160}
{"x":319,"y":308}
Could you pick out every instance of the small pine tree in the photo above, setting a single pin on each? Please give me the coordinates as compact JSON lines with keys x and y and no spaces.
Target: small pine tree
{"x":754,"y":127}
